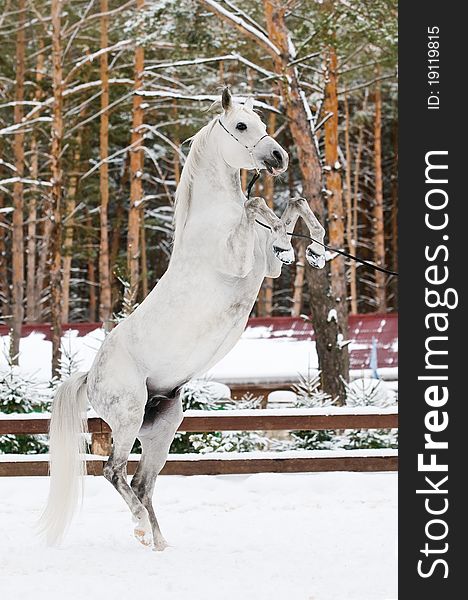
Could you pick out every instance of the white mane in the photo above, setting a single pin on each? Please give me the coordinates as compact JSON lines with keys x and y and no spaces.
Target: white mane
{"x":184,"y":189}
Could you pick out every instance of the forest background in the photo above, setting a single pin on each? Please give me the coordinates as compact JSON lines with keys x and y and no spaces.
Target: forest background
{"x":96,"y":100}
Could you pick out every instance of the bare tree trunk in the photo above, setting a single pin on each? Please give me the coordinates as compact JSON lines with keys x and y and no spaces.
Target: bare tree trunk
{"x":92,"y":298}
{"x":4,"y":285}
{"x":144,"y":263}
{"x":379,"y":231}
{"x":333,"y":356}
{"x":336,"y":215}
{"x":105,"y":296}
{"x":32,"y":299}
{"x":136,"y":172}
{"x":117,"y":229}
{"x":298,"y":286}
{"x":349,"y":201}
{"x":92,"y":306}
{"x":395,"y":210}
{"x":44,"y":253}
{"x":177,"y":168}
{"x":56,"y":190}
{"x":69,"y":229}
{"x":268,"y":190}
{"x":17,"y":249}
{"x":221,"y":72}
{"x":355,"y":214}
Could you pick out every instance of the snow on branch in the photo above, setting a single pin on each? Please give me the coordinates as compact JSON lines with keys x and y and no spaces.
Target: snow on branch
{"x":242,"y":25}
{"x":323,"y":121}
{"x":8,"y":165}
{"x":90,"y":58}
{"x":303,"y":59}
{"x":198,"y":98}
{"x":154,"y":131}
{"x":240,"y":13}
{"x":11,"y":129}
{"x":199,"y":61}
{"x":92,"y":84}
{"x":367,"y":83}
{"x":100,"y":112}
{"x":36,"y":182}
{"x":74,"y":90}
{"x":14,"y":103}
{"x":109,"y":159}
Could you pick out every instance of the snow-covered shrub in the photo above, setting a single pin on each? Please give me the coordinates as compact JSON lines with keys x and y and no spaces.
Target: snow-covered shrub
{"x":366,"y":391}
{"x":208,"y":395}
{"x":203,"y":394}
{"x":21,"y":395}
{"x":229,"y":441}
{"x":369,"y":392}
{"x":361,"y":392}
{"x":69,"y":362}
{"x":309,"y":395}
{"x":308,"y":392}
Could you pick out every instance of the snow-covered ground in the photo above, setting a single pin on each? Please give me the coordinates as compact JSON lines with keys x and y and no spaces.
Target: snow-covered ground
{"x":316,"y":536}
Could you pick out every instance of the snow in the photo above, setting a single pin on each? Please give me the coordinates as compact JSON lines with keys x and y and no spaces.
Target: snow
{"x":252,"y":359}
{"x":36,"y":352}
{"x":317,"y":536}
{"x":290,"y":412}
{"x":26,"y":181}
{"x":252,"y":455}
{"x":266,"y":359}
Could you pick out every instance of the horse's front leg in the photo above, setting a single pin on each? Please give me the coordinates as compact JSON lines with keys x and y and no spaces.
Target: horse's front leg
{"x":279,"y":239}
{"x":240,"y":243}
{"x":299,"y":207}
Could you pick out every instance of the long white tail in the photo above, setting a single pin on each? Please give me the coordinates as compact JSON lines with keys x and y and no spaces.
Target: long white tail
{"x":67,"y":446}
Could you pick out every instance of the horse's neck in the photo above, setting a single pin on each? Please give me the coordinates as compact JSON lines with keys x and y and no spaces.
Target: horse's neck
{"x":216,"y":182}
{"x":211,"y":195}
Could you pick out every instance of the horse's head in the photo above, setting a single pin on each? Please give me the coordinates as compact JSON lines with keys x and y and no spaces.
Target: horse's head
{"x":244,"y":141}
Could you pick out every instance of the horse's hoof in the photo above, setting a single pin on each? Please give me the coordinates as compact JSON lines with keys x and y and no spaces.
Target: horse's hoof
{"x":160,"y":545}
{"x":286,"y":256}
{"x":144,"y":536}
{"x":143,"y":532}
{"x":317,"y":261}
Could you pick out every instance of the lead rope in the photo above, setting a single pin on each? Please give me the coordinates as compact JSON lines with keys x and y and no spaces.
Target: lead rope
{"x":254,"y":179}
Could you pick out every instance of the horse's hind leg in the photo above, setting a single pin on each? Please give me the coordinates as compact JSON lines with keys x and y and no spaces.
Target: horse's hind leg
{"x":124,"y":432}
{"x":156,"y":435}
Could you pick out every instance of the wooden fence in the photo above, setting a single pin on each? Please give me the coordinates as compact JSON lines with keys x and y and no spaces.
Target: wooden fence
{"x":227,"y":463}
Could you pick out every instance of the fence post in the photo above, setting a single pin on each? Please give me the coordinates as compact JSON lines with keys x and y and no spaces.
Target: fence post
{"x":101,"y":443}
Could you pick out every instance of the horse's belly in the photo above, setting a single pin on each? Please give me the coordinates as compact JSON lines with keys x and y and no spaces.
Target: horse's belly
{"x":178,"y":340}
{"x":176,"y":364}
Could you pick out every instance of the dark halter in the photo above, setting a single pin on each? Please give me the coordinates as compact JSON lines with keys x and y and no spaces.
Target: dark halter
{"x":249,"y":148}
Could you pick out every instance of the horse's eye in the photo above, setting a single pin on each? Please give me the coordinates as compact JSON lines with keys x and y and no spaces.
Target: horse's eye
{"x":241,"y":126}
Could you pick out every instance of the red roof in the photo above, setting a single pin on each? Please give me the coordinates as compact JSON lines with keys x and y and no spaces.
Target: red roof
{"x":362,"y":330}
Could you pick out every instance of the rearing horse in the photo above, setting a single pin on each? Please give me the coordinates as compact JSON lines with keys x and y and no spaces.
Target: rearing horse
{"x":190,"y":320}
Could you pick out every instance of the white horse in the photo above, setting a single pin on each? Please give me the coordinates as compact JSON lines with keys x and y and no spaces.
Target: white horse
{"x":189,"y":321}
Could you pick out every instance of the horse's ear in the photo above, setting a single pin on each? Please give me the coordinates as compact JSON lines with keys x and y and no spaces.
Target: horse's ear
{"x":226,"y":99}
{"x":249,"y":104}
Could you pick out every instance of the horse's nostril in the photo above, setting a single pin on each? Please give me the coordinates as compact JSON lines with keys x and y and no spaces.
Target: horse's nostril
{"x":277,"y":156}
